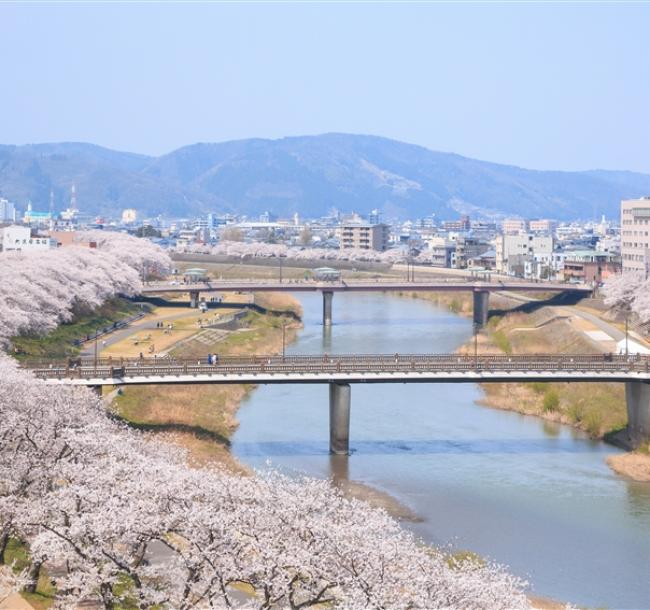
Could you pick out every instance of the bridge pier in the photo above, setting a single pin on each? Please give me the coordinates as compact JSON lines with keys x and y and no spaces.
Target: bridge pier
{"x":637,"y":397}
{"x":194,"y":299}
{"x":481,"y":305}
{"x":340,"y":418}
{"x":327,"y":307}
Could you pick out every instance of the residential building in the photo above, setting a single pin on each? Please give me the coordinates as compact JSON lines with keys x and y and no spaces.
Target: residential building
{"x":543,"y":225}
{"x":64,"y":239}
{"x":513,"y":251}
{"x":590,"y":266}
{"x":512,"y":226}
{"x":441,"y":251}
{"x":364,"y":236}
{"x":462,"y":224}
{"x":468,"y":248}
{"x":16,"y":237}
{"x":635,"y":238}
{"x":7,"y":211}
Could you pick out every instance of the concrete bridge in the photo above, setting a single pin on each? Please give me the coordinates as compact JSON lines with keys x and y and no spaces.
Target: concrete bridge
{"x":340,"y":371}
{"x":480,"y":290}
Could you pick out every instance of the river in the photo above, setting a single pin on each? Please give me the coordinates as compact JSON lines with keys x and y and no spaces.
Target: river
{"x":533,"y":495}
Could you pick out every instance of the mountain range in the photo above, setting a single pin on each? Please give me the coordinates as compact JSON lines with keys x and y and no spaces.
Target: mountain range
{"x":310,"y":175}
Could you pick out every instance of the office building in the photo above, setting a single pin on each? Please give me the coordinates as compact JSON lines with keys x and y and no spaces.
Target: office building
{"x":7,"y":211}
{"x":635,"y":238}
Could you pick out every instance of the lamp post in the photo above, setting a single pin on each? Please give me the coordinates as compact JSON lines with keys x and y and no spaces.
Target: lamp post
{"x":476,"y":329}
{"x":627,"y":318}
{"x":284,"y":342}
{"x":96,"y":335}
{"x":280,"y":259}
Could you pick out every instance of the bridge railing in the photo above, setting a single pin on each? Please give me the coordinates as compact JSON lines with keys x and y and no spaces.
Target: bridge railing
{"x":107,"y":368}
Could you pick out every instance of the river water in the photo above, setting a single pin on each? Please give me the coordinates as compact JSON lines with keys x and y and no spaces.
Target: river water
{"x":533,"y":495}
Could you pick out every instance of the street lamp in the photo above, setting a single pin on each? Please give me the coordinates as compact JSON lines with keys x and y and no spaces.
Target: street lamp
{"x":280,"y":259}
{"x":96,"y":335}
{"x":476,"y":330}
{"x":284,"y":341}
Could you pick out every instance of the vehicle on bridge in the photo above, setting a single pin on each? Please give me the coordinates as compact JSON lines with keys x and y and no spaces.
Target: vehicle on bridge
{"x":326,"y":274}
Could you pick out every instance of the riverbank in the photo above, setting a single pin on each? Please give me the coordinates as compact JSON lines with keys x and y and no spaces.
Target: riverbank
{"x":599,"y":410}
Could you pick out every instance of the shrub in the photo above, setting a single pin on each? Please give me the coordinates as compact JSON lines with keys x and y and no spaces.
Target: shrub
{"x":551,"y":401}
{"x":539,"y":387}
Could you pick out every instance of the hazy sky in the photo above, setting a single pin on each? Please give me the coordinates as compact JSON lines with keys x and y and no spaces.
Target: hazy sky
{"x":537,"y":85}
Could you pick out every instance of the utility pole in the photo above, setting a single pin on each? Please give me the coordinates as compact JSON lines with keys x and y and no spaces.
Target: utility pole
{"x":280,"y":259}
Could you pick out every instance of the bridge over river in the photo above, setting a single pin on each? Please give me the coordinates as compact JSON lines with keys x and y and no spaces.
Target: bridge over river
{"x":340,"y":371}
{"x":480,"y":290}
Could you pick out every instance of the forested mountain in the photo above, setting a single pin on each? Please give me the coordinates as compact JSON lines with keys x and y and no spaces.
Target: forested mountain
{"x":310,"y":175}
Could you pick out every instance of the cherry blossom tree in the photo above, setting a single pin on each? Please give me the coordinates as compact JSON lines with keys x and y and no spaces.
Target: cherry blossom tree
{"x":39,"y":290}
{"x":629,"y":292}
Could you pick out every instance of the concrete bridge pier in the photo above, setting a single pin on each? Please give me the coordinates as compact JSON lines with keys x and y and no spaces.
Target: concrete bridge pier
{"x":481,"y":306}
{"x":327,"y":307}
{"x":637,"y":396}
{"x":340,"y":418}
{"x":194,"y":299}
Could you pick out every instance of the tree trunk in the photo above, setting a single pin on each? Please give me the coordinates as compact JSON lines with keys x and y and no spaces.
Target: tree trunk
{"x":4,"y":541}
{"x":33,"y":576}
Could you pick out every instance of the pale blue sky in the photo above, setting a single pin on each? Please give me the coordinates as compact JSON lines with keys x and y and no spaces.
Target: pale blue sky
{"x":537,"y":85}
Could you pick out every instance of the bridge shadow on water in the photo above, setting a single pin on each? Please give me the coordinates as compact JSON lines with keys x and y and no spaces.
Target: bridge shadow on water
{"x":421,"y":447}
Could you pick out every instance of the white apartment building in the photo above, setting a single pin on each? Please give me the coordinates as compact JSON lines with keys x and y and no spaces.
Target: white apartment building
{"x":15,"y":237}
{"x":7,"y":211}
{"x":515,"y":250}
{"x":635,"y":238}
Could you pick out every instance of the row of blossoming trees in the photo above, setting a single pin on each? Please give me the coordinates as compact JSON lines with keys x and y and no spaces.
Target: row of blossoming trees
{"x":263,"y":250}
{"x":128,"y":522}
{"x":39,"y":290}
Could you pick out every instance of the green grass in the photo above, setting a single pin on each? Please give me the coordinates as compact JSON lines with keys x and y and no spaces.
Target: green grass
{"x":502,"y":342}
{"x":60,"y":342}
{"x":551,"y":401}
{"x":17,"y":554}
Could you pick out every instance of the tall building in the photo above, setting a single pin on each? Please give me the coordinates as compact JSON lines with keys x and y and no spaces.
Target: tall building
{"x":364,"y":236}
{"x":7,"y":211}
{"x":635,"y":238}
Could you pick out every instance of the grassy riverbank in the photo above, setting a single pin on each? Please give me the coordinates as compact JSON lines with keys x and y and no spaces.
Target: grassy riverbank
{"x":202,"y":418}
{"x":60,"y":343}
{"x":597,"y":409}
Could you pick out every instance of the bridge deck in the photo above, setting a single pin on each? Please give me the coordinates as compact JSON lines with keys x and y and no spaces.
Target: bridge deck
{"x":359,"y":286}
{"x":358,"y":368}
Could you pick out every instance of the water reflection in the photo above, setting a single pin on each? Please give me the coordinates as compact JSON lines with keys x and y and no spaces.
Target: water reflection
{"x":499,"y":446}
{"x":551,"y":428}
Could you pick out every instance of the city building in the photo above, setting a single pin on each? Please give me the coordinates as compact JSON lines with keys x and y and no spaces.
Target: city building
{"x":468,"y":248}
{"x":590,"y":266}
{"x":16,"y":237}
{"x":512,"y":226}
{"x":514,"y":251}
{"x":462,"y":224}
{"x":635,"y":237}
{"x":364,"y":236}
{"x":7,"y":211}
{"x":441,"y":251}
{"x":129,"y":216}
{"x":543,"y":225}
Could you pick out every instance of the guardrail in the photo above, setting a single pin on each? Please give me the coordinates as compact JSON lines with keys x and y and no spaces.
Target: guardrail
{"x":105,"y":368}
